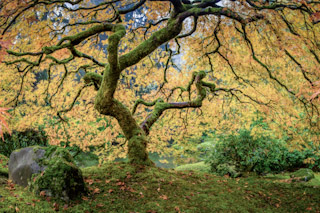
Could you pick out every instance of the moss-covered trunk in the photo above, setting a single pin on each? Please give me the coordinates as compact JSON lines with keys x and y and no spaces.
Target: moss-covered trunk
{"x":137,"y":139}
{"x":105,"y":101}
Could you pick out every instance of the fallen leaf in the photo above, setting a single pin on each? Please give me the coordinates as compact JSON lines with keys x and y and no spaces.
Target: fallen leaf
{"x":128,"y":175}
{"x":177,"y":209}
{"x":89,"y":181}
{"x":56,"y":206}
{"x":98,"y":181}
{"x":84,"y":198}
{"x":141,"y":194}
{"x":43,"y":193}
{"x":96,"y":191}
{"x":65,"y":206}
{"x":120,"y":184}
{"x":164,"y":197}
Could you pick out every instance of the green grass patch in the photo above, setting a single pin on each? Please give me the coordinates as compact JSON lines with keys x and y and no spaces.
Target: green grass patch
{"x":200,"y":166}
{"x":124,"y":188}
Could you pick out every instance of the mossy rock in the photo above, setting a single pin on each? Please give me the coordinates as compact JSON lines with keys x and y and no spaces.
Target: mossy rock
{"x":4,"y":166}
{"x":48,"y":171}
{"x":303,"y":175}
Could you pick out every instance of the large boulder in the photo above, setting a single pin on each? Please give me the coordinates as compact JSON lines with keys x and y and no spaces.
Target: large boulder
{"x":48,"y":171}
{"x":303,"y":175}
{"x":23,"y":163}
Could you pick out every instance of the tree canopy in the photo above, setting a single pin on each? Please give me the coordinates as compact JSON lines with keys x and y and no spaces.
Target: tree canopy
{"x":160,"y":70}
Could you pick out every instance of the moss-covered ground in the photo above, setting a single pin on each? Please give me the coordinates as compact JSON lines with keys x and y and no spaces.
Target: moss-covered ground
{"x":120,"y":187}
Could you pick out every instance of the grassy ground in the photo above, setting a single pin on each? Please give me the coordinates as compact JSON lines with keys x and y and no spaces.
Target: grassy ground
{"x":123,"y":188}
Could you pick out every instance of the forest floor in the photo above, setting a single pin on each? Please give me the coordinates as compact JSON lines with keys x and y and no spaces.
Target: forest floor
{"x":120,"y":187}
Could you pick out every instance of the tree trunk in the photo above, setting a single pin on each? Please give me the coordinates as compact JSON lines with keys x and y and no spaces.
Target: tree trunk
{"x":137,"y":150}
{"x":137,"y":139}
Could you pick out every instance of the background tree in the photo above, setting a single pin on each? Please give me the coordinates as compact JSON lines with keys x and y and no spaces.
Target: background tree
{"x":139,"y":61}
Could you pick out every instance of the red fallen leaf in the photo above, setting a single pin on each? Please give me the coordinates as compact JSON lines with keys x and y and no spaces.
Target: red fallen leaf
{"x":33,"y":204}
{"x":110,"y":190}
{"x":131,"y":189}
{"x":99,"y":205}
{"x":107,"y":181}
{"x":141,"y":195}
{"x":120,"y":183}
{"x":128,"y":175}
{"x":309,"y":208}
{"x":48,"y":199}
{"x":84,"y":198}
{"x":177,"y":209}
{"x":96,"y":191}
{"x":164,"y":197}
{"x":122,"y":188}
{"x":28,"y":204}
{"x":98,"y":181}
{"x":56,"y":206}
{"x":43,"y":193}
{"x":65,"y":206}
{"x":89,"y":181}
{"x":17,"y":209}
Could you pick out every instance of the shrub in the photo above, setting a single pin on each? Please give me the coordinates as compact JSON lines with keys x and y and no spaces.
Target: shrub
{"x":245,"y":153}
{"x":21,"y":139}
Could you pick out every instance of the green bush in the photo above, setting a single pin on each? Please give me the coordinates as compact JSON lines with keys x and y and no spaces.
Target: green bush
{"x":242,"y":152}
{"x":21,"y":139}
{"x":245,"y":153}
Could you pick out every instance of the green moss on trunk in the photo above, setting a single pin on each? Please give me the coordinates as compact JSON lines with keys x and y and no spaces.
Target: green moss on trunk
{"x":137,"y":150}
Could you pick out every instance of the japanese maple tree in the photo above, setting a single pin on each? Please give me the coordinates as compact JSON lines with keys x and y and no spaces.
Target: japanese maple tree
{"x":139,"y":61}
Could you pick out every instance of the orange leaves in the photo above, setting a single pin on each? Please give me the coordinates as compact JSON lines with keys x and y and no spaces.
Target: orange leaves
{"x":3,"y":115}
{"x":5,"y":43}
{"x":10,"y":185}
{"x":315,"y":17}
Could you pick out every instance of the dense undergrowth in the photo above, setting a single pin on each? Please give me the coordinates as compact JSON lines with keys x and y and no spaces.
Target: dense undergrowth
{"x":120,"y":187}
